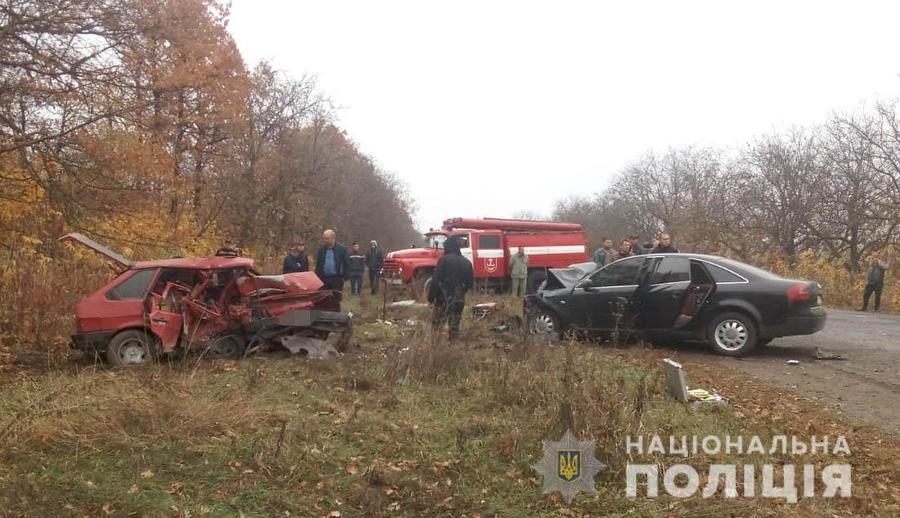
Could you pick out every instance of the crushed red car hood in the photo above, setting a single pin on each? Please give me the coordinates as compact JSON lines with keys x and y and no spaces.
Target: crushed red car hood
{"x":302,"y":282}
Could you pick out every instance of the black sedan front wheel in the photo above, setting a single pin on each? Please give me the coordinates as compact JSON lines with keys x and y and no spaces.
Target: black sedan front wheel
{"x":732,"y":334}
{"x":545,"y":324}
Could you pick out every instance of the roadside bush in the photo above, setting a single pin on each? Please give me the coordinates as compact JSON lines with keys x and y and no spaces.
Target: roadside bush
{"x":841,"y":288}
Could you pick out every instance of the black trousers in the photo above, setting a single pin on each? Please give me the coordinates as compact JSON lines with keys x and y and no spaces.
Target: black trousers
{"x":355,"y":284}
{"x":450,"y":312}
{"x":374,"y":279}
{"x":333,"y":283}
{"x":870,"y":289}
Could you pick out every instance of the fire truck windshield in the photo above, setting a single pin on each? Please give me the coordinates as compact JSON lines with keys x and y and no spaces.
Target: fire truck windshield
{"x":436,"y":240}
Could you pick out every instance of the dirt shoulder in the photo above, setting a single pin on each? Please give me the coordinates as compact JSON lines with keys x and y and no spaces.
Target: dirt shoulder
{"x":864,"y":386}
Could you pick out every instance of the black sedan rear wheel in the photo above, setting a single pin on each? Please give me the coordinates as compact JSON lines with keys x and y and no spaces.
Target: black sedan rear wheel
{"x":732,"y":334}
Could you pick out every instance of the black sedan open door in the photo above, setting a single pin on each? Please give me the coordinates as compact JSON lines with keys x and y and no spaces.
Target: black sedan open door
{"x":674,"y":293}
{"x":604,"y":300}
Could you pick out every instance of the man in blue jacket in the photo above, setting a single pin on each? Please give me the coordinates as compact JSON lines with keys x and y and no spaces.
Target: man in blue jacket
{"x":332,"y":262}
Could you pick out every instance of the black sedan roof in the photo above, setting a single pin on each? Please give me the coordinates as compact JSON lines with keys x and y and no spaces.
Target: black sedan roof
{"x":744,"y":269}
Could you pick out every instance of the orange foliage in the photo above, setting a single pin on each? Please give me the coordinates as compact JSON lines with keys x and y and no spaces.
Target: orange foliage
{"x":841,"y":288}
{"x":146,"y":132}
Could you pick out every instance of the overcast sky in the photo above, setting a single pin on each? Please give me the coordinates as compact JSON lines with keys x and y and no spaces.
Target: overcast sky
{"x":488,"y":108}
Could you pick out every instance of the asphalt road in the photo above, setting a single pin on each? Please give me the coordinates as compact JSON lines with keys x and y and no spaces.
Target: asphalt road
{"x":864,"y":386}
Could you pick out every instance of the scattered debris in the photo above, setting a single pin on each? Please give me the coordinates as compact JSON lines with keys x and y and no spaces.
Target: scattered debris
{"x":793,"y":362}
{"x":701,"y":395}
{"x":827,"y":355}
{"x":675,"y":380}
{"x":312,"y":348}
{"x":485,"y":308}
{"x":370,"y":336}
{"x":678,"y":386}
{"x":406,"y":303}
{"x":513,"y":323}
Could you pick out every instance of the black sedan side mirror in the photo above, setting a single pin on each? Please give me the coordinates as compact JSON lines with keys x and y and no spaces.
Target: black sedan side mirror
{"x":586,"y":285}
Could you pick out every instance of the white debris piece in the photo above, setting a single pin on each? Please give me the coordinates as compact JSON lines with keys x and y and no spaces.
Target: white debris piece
{"x":312,"y":348}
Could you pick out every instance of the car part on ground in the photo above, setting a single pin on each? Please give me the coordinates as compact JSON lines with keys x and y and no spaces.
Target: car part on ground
{"x":312,"y":348}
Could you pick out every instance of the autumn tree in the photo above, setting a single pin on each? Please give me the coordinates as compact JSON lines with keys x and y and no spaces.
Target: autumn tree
{"x":856,"y":216}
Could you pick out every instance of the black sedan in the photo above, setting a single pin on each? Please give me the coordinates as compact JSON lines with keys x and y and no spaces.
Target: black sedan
{"x":730,"y":305}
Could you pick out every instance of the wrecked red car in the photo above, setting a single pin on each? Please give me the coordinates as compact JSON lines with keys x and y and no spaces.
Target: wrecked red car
{"x":219,"y":307}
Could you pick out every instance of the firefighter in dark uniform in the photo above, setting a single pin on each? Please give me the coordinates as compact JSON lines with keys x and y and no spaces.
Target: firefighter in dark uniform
{"x":452,"y":278}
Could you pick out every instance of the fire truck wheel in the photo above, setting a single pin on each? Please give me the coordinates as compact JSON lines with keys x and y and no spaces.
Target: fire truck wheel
{"x":131,"y":348}
{"x":421,"y":284}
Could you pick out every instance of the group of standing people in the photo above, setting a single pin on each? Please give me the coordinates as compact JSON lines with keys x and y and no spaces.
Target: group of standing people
{"x":335,"y":264}
{"x":631,"y":246}
{"x":453,"y":277}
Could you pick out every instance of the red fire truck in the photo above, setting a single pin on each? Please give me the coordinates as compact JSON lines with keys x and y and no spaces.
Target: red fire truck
{"x":488,"y":243}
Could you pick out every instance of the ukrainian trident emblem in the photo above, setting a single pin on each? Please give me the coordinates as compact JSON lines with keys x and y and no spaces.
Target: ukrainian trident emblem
{"x":573,"y":464}
{"x":569,"y":467}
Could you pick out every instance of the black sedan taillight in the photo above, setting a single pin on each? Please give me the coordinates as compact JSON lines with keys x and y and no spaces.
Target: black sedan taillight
{"x":799,"y":293}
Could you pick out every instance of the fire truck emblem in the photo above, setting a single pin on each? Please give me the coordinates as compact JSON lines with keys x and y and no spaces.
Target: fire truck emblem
{"x":490,"y":265}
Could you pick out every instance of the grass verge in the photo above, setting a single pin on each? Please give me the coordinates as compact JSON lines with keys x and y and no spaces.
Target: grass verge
{"x":402,"y":426}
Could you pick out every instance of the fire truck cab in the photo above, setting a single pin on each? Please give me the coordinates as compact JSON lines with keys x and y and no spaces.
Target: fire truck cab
{"x":489,"y":243}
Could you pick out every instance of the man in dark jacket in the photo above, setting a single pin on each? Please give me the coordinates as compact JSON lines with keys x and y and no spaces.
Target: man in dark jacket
{"x":874,"y":284}
{"x":331,"y":262}
{"x":356,"y":268}
{"x":374,"y":262}
{"x":636,"y":247}
{"x":665,"y":245}
{"x":452,"y":278}
{"x":296,"y":260}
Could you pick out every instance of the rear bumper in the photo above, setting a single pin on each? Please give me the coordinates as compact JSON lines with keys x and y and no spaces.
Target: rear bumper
{"x":91,"y":342}
{"x":806,"y":324}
